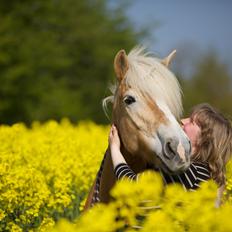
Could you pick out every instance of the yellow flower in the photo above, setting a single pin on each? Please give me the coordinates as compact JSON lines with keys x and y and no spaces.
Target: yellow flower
{"x":46,"y":172}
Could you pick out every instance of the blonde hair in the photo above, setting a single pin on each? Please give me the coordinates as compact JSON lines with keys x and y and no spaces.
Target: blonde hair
{"x":214,"y":146}
{"x":146,"y":73}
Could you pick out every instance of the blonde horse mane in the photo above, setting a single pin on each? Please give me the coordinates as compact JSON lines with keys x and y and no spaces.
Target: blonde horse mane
{"x":148,"y":75}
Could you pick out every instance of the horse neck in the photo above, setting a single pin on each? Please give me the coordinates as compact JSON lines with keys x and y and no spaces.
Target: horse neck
{"x":135,"y":161}
{"x":107,"y":177}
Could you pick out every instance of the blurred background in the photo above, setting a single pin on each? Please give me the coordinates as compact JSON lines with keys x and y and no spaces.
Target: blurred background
{"x":56,"y":56}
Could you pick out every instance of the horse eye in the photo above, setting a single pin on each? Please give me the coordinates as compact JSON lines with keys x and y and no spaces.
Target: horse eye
{"x":129,"y":100}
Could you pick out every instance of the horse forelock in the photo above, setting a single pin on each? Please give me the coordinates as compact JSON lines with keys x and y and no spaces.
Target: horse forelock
{"x":146,"y":74}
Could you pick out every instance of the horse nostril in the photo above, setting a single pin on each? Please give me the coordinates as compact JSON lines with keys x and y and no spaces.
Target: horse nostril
{"x":169,"y":151}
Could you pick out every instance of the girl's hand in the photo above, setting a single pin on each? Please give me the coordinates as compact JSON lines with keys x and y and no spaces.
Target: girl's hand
{"x":114,"y":140}
{"x":114,"y":144}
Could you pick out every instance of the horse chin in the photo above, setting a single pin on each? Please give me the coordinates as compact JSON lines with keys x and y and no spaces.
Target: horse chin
{"x":171,"y":168}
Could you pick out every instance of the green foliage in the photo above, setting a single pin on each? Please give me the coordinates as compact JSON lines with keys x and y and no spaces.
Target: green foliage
{"x":210,"y":83}
{"x":56,"y":57}
{"x":56,"y":60}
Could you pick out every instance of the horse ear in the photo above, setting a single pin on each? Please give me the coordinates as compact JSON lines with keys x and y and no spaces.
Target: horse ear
{"x":167,"y":60}
{"x":121,"y":64}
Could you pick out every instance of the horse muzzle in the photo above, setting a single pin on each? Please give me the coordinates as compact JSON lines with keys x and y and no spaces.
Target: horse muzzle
{"x":175,"y":155}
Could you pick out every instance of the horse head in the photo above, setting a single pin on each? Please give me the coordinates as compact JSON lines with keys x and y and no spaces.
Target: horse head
{"x":146,"y":106}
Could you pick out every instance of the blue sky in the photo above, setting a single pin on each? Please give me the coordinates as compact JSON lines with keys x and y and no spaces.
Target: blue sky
{"x":190,"y":26}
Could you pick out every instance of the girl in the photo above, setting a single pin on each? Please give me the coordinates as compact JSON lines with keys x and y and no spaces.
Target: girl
{"x":210,"y":134}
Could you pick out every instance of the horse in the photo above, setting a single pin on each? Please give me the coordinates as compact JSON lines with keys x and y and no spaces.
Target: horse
{"x":147,"y":103}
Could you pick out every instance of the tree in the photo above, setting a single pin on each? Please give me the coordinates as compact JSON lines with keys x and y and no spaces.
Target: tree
{"x":56,"y":57}
{"x":210,"y":83}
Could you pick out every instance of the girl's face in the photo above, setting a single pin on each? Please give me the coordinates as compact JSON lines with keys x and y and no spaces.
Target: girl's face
{"x":192,"y":130}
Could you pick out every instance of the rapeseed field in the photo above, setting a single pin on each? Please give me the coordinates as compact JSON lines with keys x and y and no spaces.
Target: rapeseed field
{"x":46,"y":172}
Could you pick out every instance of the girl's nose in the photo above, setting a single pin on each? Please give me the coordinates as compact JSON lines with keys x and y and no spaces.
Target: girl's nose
{"x":184,"y":121}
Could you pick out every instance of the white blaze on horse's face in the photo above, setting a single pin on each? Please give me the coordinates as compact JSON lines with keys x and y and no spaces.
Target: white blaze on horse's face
{"x":142,"y":112}
{"x":175,"y":145}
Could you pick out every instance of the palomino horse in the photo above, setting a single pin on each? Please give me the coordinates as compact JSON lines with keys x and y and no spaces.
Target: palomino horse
{"x":146,"y":102}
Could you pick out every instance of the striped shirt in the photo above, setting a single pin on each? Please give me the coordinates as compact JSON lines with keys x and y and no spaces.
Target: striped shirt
{"x":190,"y":179}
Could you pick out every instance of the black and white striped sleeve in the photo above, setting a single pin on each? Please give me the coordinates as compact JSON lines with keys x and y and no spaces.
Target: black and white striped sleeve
{"x":191,"y":178}
{"x":122,"y":170}
{"x":203,"y":173}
